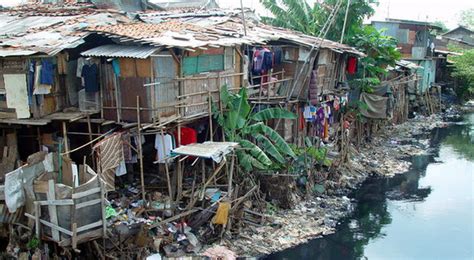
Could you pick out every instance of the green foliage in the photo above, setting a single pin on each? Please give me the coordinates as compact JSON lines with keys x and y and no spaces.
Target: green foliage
{"x":307,"y":158}
{"x":300,"y":16}
{"x":443,"y":26}
{"x":242,"y":126}
{"x":381,"y":51}
{"x":464,"y":72}
{"x":466,"y":18}
{"x":33,"y":243}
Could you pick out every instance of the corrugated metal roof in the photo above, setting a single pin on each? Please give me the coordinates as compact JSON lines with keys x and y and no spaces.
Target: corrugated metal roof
{"x":120,"y":51}
{"x":15,"y":52}
{"x":209,"y":28}
{"x":49,"y":34}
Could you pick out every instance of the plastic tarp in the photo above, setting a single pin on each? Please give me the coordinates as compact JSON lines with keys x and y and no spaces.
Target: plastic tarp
{"x":213,"y":150}
{"x":14,"y":193}
{"x":376,"y":106}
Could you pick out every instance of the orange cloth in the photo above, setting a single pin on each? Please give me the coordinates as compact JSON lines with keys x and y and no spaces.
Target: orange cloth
{"x":222,"y":214}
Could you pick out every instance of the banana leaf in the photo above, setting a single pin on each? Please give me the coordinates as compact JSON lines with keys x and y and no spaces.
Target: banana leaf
{"x":274,"y":136}
{"x":239,"y":110}
{"x":273,"y":113}
{"x":270,"y":149}
{"x":248,"y":162}
{"x":256,"y":152}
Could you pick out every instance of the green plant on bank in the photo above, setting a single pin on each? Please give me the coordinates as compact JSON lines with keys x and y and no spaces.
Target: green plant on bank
{"x":381,"y":52}
{"x":463,"y":71}
{"x":261,"y":146}
{"x":308,"y":158}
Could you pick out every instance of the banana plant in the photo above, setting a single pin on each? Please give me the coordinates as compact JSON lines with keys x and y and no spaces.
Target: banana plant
{"x":261,"y":146}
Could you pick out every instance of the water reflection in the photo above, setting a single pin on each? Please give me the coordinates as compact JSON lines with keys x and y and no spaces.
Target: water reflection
{"x":404,"y":198}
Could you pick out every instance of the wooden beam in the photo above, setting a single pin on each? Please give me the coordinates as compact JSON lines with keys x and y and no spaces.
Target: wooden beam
{"x":53,"y":214}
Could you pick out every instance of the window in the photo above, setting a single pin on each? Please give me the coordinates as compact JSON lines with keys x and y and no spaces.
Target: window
{"x":202,"y":63}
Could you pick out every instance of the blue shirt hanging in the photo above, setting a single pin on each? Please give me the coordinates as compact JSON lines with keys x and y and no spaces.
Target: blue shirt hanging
{"x":47,"y":72}
{"x":89,"y":73}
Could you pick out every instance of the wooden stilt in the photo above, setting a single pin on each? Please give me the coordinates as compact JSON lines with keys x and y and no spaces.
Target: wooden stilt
{"x":170,"y":189}
{"x":179,"y":169}
{"x":66,"y":144}
{"x":140,"y":150}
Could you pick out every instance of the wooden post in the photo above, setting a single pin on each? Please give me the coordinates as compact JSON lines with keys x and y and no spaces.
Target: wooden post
{"x":211,"y":131}
{"x":66,"y":144}
{"x":37,"y":219}
{"x":102,"y":203}
{"x":89,"y":129}
{"x":51,"y":195}
{"x":179,"y":168}
{"x":140,"y":150}
{"x":170,"y":189}
{"x":231,"y":175}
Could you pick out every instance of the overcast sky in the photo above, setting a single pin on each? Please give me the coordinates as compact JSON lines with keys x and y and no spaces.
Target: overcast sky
{"x":446,"y":11}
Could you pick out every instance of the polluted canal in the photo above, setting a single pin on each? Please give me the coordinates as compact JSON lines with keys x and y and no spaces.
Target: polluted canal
{"x":426,"y":213}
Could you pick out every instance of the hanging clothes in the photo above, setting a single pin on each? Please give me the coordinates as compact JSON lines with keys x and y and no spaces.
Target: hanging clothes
{"x":47,"y":72}
{"x":258,"y":60}
{"x":116,"y":67}
{"x":31,"y":81}
{"x":267,"y":60}
{"x":110,"y":154}
{"x":163,"y":146}
{"x":38,"y":87}
{"x":80,"y":63}
{"x":278,"y":55}
{"x":351,"y":65}
{"x":188,"y":136}
{"x":89,"y":73}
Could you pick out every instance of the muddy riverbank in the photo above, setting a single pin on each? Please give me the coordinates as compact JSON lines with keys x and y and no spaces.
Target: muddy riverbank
{"x":384,"y":155}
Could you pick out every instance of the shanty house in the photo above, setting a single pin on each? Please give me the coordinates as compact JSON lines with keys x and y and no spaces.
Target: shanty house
{"x":417,"y":44}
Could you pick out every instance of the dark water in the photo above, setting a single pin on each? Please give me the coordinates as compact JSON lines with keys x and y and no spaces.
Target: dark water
{"x":426,"y":213}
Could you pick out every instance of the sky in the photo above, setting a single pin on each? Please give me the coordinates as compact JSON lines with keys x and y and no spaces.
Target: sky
{"x":446,"y":11}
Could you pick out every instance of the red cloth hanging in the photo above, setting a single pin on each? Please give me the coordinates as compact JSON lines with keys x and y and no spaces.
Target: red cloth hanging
{"x":351,"y":65}
{"x":188,"y":136}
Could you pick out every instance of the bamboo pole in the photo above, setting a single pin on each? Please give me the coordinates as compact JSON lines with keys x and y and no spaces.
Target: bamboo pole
{"x":179,"y":168}
{"x":211,"y":131}
{"x":140,"y":149}
{"x":170,"y":189}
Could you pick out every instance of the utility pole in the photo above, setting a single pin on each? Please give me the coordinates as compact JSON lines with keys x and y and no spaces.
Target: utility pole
{"x":345,"y":20}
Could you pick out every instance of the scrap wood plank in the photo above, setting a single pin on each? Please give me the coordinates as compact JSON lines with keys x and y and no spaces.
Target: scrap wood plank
{"x":84,"y":237}
{"x":85,"y":193}
{"x":52,"y":226}
{"x":89,"y":226}
{"x":174,"y":218}
{"x":88,"y":203}
{"x":52,"y":210}
{"x":56,"y":202}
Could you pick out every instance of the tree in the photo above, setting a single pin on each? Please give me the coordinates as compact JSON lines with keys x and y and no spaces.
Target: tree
{"x":464,"y":72}
{"x":443,"y":26}
{"x":300,"y":16}
{"x":381,"y":50}
{"x":242,"y":125}
{"x":466,"y":18}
